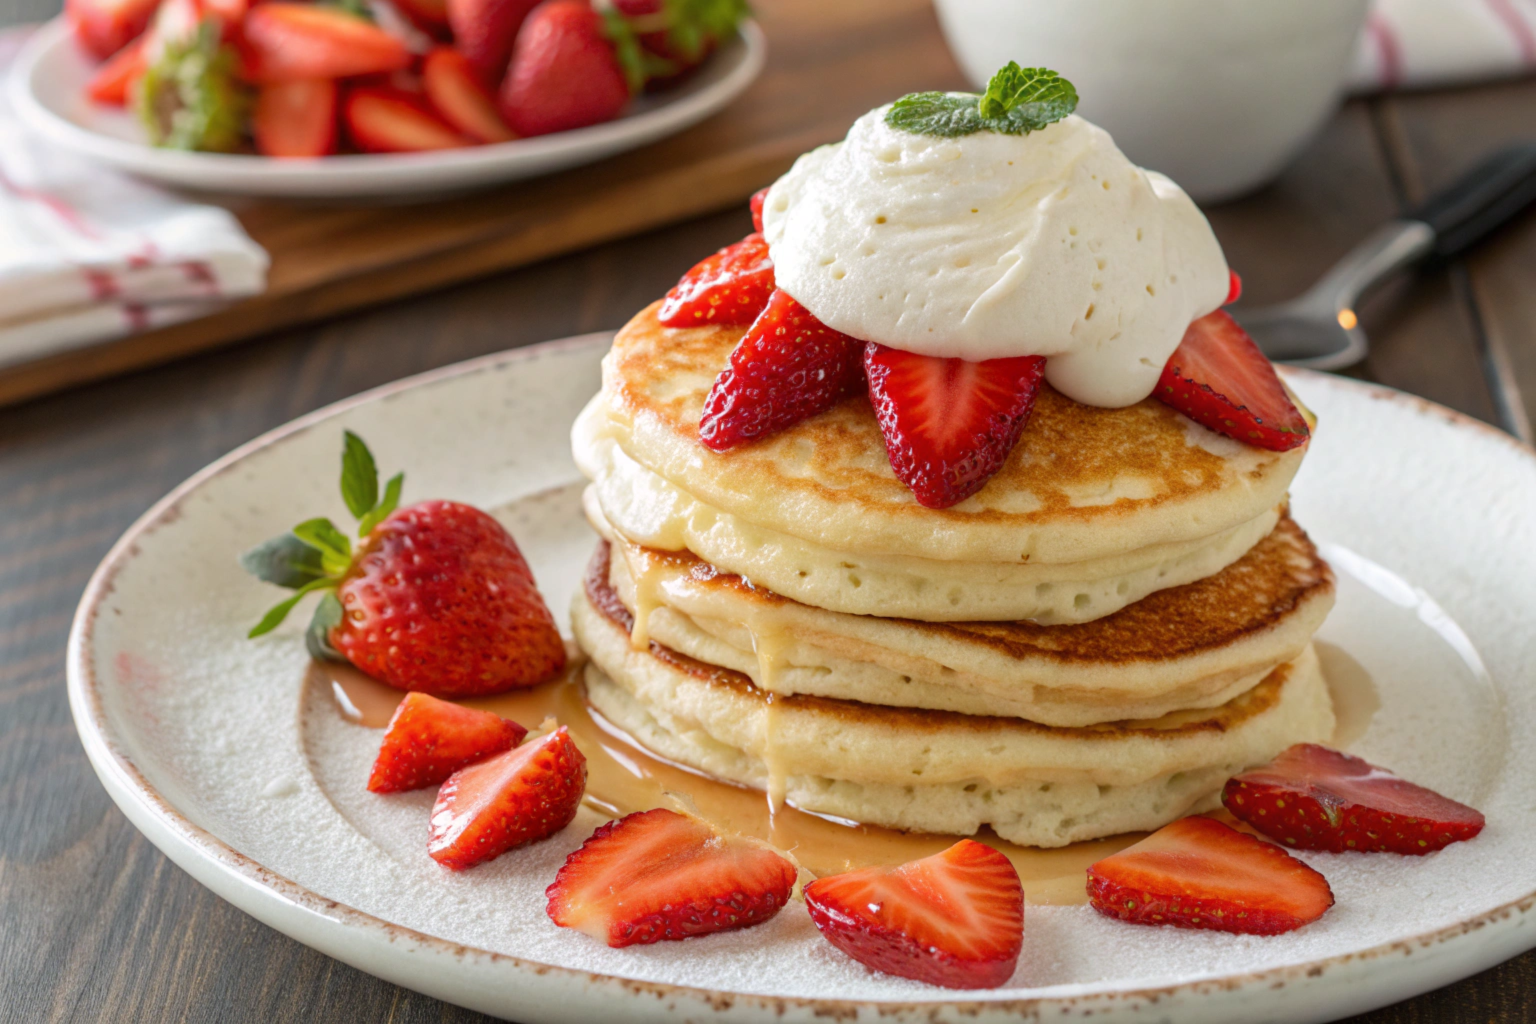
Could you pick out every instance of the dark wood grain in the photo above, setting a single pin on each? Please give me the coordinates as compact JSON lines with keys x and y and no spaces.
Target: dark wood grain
{"x":95,"y":925}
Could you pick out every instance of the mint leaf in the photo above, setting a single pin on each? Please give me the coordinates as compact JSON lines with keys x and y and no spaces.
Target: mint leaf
{"x":1017,"y":101}
{"x":284,"y":560}
{"x":322,"y":535}
{"x":1032,"y":96}
{"x":276,"y":615}
{"x":379,"y":512}
{"x":359,"y":476}
{"x":318,"y":636}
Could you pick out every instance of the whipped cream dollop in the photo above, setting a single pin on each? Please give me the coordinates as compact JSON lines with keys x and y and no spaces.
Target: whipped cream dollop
{"x":991,"y":245}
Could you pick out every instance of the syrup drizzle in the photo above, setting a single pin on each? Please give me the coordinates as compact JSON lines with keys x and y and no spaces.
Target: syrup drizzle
{"x":623,"y":777}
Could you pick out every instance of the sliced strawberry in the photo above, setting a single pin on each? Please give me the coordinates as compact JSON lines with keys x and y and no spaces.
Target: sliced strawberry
{"x":385,"y":120}
{"x":430,"y":739}
{"x":566,"y":70}
{"x":484,"y":31}
{"x":109,"y":83}
{"x":528,"y":793}
{"x":955,"y":919}
{"x":104,"y":27}
{"x":1199,"y":873}
{"x":296,"y":119}
{"x":659,"y":875}
{"x":458,"y":95}
{"x":789,"y":367}
{"x":1234,"y":288}
{"x":758,"y":199}
{"x":730,"y":287}
{"x":1219,"y":378}
{"x":949,"y":424}
{"x":285,"y":42}
{"x":1314,"y":798}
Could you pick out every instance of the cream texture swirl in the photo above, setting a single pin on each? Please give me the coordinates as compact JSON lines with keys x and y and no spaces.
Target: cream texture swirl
{"x":988,"y":245}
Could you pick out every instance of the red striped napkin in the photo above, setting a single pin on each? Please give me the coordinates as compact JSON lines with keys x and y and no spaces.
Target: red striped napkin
{"x":1415,"y":44}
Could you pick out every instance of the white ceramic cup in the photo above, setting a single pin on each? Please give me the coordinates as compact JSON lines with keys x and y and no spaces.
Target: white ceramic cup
{"x":1218,"y":94}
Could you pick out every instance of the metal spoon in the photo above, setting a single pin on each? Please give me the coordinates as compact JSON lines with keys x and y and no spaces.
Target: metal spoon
{"x":1320,"y":330}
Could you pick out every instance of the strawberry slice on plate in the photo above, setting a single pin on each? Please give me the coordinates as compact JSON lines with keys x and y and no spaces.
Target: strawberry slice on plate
{"x":954,"y":919}
{"x":730,"y":287}
{"x":296,"y":119}
{"x":659,"y":875}
{"x":383,"y":119}
{"x":110,"y":82}
{"x":1316,"y":798}
{"x":429,"y":739}
{"x":104,"y":27}
{"x":1219,"y":378}
{"x":456,"y":93}
{"x":1199,"y":873}
{"x":284,"y":42}
{"x":789,"y":367}
{"x":525,"y":794}
{"x":949,"y":424}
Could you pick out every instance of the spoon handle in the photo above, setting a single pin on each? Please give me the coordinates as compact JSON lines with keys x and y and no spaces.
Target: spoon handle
{"x":1481,"y":200}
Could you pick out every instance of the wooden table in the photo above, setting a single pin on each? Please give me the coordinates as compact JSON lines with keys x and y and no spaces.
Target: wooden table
{"x":96,"y":925}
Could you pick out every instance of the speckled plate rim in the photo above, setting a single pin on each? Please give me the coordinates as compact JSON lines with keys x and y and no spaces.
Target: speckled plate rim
{"x":1321,"y":990}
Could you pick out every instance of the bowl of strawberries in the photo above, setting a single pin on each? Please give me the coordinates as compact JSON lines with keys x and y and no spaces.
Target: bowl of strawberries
{"x":375,"y":97}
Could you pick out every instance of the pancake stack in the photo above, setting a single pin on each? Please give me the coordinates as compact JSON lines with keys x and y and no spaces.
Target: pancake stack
{"x":1115,"y":624}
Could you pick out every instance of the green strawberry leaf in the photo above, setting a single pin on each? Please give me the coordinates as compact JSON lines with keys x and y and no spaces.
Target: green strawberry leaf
{"x":359,"y":475}
{"x":318,"y":636}
{"x":626,"y":49}
{"x":191,"y":98}
{"x":1017,"y":101}
{"x":277,"y":614}
{"x":284,"y":560}
{"x":322,"y":535}
{"x":381,"y":511}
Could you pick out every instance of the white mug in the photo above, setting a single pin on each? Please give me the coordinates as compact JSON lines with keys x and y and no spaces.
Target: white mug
{"x":1220,"y":95}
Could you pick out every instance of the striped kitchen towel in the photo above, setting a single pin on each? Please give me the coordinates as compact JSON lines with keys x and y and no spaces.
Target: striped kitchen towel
{"x":1416,"y":44}
{"x":87,"y":254}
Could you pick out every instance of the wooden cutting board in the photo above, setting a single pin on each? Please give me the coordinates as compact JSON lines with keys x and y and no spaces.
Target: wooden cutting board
{"x":828,"y":62}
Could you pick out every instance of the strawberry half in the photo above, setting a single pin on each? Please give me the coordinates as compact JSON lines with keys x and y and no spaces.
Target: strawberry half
{"x":949,"y":424}
{"x":110,"y":82}
{"x":436,"y":598}
{"x":526,"y":794}
{"x":104,"y":27}
{"x":730,"y":287}
{"x":660,"y":875}
{"x":429,"y":739}
{"x":758,"y":199}
{"x":458,"y":96}
{"x":955,"y":919}
{"x":1315,"y":798}
{"x":1199,"y":873}
{"x":285,"y":42}
{"x":789,"y":367}
{"x":383,"y":119}
{"x":296,"y":119}
{"x":1219,"y":378}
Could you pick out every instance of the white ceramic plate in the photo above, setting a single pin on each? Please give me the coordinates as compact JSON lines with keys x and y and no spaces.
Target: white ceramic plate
{"x":47,"y":88}
{"x":213,"y":747}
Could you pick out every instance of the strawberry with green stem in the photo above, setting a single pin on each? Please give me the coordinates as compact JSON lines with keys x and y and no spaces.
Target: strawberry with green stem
{"x":436,"y":598}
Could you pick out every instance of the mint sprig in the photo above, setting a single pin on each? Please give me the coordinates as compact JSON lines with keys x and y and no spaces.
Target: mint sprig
{"x":1017,"y":101}
{"x":315,"y":555}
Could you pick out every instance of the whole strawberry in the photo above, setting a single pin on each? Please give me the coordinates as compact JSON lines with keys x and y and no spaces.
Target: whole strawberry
{"x":571,"y":67}
{"x":437,"y":598}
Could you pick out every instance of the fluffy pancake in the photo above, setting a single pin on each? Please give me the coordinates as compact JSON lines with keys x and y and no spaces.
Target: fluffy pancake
{"x":938,"y":771}
{"x":1082,"y":483}
{"x":648,"y":510}
{"x":1194,"y":646}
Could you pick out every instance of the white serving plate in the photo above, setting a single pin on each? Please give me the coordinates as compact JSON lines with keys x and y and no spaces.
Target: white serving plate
{"x":216,"y":749}
{"x":47,"y":88}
